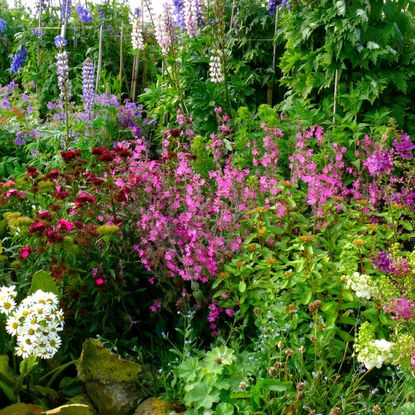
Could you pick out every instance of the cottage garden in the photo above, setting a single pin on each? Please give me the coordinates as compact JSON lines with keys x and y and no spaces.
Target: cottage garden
{"x":208,"y":210}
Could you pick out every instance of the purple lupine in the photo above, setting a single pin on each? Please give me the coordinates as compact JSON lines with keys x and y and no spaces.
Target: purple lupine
{"x":178,"y":13}
{"x":63,"y":75}
{"x":88,"y":91}
{"x":404,"y":146}
{"x":18,"y":60}
{"x":84,"y":14}
{"x":165,"y":33}
{"x":66,"y":6}
{"x":3,"y":26}
{"x":38,"y":32}
{"x":191,"y":17}
{"x":273,"y":4}
{"x":60,"y":41}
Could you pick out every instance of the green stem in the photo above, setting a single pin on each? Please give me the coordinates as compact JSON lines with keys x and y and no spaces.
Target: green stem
{"x":56,"y":372}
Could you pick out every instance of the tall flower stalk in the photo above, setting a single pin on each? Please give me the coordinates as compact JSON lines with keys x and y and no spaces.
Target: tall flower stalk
{"x":88,"y":90}
{"x":165,"y":31}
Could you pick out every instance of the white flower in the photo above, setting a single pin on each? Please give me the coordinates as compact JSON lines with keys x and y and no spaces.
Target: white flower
{"x":363,"y":285}
{"x":375,"y":353}
{"x":7,"y":305}
{"x":12,"y":325}
{"x":137,"y":41}
{"x":215,"y":67}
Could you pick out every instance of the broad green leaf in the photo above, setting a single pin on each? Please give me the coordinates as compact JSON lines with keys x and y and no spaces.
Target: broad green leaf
{"x":43,"y":280}
{"x":242,"y":286}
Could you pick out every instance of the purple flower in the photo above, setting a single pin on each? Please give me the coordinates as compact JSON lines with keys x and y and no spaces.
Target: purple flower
{"x":6,"y":104}
{"x":379,"y":162}
{"x":382,"y":262}
{"x":273,"y":4}
{"x":3,"y":26}
{"x":66,"y":6}
{"x":88,"y":91}
{"x":38,"y":32}
{"x":403,"y":146}
{"x":137,"y":12}
{"x":63,"y":75}
{"x":60,"y":41}
{"x":19,"y":141}
{"x":165,"y":33}
{"x":178,"y":13}
{"x":190,"y":14}
{"x":84,"y":14}
{"x":10,"y":87}
{"x":18,"y":60}
{"x":400,"y":308}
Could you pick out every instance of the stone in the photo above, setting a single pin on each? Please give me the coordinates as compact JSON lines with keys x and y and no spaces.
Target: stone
{"x":154,"y":406}
{"x":70,"y":409}
{"x":21,"y":409}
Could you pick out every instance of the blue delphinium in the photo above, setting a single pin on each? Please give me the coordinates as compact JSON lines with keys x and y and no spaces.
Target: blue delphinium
{"x":18,"y":60}
{"x":84,"y":14}
{"x":88,"y":90}
{"x":3,"y":25}
{"x":273,"y":4}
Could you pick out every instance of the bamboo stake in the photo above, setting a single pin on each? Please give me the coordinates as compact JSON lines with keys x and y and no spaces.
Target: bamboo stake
{"x":99,"y":59}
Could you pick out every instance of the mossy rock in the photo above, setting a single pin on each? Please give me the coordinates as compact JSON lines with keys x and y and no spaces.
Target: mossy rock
{"x":22,"y":409}
{"x":99,"y":364}
{"x":118,"y":398}
{"x":70,"y":409}
{"x":154,"y":406}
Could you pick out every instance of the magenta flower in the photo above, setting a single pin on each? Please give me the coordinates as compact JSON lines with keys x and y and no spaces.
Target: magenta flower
{"x":65,"y":224}
{"x":400,"y":308}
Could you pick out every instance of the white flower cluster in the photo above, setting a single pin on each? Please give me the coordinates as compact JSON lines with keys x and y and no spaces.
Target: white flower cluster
{"x":215,"y":67}
{"x":137,"y":34}
{"x":35,"y":322}
{"x":363,"y":285}
{"x":375,"y":353}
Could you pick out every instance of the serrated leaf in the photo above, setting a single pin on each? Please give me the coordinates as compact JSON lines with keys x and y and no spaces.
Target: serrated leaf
{"x":43,"y":280}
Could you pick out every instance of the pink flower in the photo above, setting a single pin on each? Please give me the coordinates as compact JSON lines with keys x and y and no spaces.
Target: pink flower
{"x":155,"y":307}
{"x":25,"y":252}
{"x":65,"y":224}
{"x":99,"y":282}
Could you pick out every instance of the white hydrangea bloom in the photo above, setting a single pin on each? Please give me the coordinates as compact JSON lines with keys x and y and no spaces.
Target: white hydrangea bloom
{"x":375,"y":353}
{"x":35,"y":323}
{"x":215,"y":67}
{"x":363,"y":285}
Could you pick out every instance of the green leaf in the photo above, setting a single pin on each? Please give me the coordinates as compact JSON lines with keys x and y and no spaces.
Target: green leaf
{"x":43,"y":280}
{"x":224,"y":409}
{"x":274,"y":385}
{"x":188,"y":369}
{"x":202,"y":395}
{"x":242,"y":286}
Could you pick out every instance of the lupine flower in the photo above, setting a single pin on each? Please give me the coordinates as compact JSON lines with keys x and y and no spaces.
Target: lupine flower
{"x":190,"y":13}
{"x":165,"y":33}
{"x":60,"y":41}
{"x":3,"y":26}
{"x":38,"y":32}
{"x":88,"y":91}
{"x":19,"y":140}
{"x":84,"y":14}
{"x":63,"y":75}
{"x":137,"y":34}
{"x":66,"y":6}
{"x":179,"y":15}
{"x":215,"y":67}
{"x":18,"y":60}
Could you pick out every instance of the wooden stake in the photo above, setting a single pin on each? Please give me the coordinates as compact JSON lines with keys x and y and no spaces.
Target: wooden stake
{"x":99,"y":59}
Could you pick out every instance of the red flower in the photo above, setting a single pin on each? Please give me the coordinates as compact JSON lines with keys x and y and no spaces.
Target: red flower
{"x":60,"y":193}
{"x":97,"y":151}
{"x":37,"y":227}
{"x":53,"y":236}
{"x":84,"y":198}
{"x":14,"y":192}
{"x":25,"y":252}
{"x":65,"y":224}
{"x":107,"y":156}
{"x":32,"y":171}
{"x":122,"y":151}
{"x":53,"y":174}
{"x":70,"y":155}
{"x":44,"y":215}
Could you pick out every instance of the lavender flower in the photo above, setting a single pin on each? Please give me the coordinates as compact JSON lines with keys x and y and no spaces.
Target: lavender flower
{"x":403,"y":146}
{"x":38,"y":32}
{"x":3,"y":26}
{"x":215,"y":67}
{"x":137,"y":12}
{"x":273,"y":4}
{"x":18,"y":60}
{"x":165,"y":33}
{"x":84,"y":14}
{"x":178,"y":12}
{"x":63,"y":75}
{"x":88,"y":92}
{"x":19,"y":140}
{"x":191,"y":17}
{"x":66,"y":6}
{"x":60,"y":41}
{"x":137,"y":35}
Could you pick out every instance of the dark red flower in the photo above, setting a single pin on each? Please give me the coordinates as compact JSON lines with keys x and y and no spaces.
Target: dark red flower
{"x":44,"y":215}
{"x":37,"y":227}
{"x":53,"y":174}
{"x":53,"y":236}
{"x":97,"y":151}
{"x":122,"y":151}
{"x":107,"y":156}
{"x":84,"y":198}
{"x":70,"y":155}
{"x":25,"y":252}
{"x":32,"y":171}
{"x":60,"y":193}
